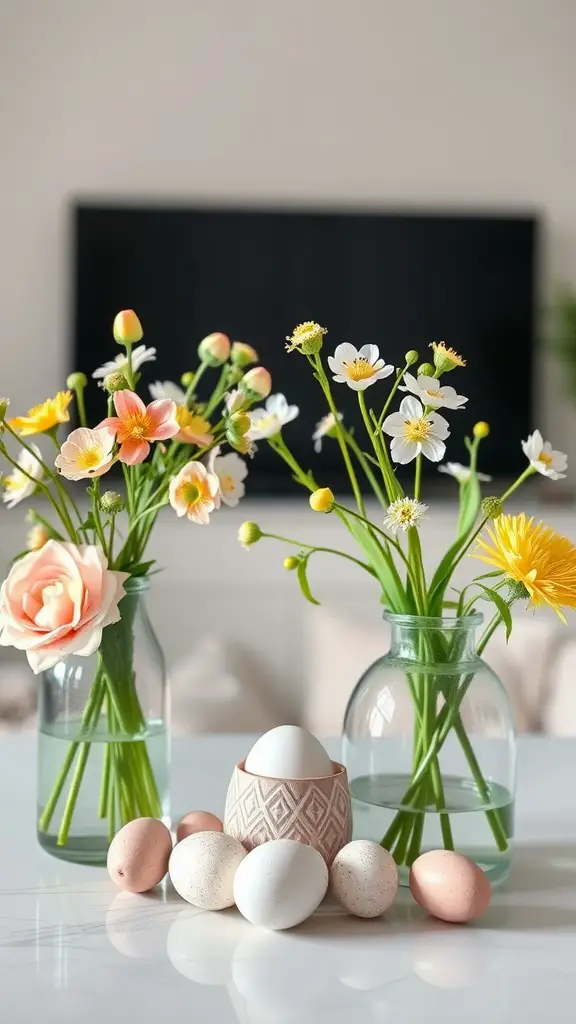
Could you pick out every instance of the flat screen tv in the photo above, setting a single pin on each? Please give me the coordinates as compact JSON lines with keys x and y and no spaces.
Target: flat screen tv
{"x":399,"y":280}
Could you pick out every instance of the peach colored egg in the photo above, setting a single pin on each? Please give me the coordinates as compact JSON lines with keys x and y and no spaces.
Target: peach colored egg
{"x":449,"y":886}
{"x":139,"y":853}
{"x":197,"y":821}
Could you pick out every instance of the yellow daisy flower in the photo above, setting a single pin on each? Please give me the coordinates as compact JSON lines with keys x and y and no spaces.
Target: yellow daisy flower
{"x":45,"y":416}
{"x":535,"y":555}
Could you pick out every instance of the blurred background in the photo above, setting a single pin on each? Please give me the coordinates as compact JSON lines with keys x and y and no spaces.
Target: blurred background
{"x":402,"y":173}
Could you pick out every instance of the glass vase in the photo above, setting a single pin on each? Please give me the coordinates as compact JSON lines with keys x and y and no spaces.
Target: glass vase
{"x":430,"y":748}
{"x":103,"y":743}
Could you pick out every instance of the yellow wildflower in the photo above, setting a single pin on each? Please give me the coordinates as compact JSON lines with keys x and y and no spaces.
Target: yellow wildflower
{"x":45,"y":416}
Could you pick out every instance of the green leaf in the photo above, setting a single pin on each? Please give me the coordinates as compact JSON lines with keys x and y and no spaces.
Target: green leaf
{"x":394,"y":597}
{"x":470,"y":498}
{"x":502,"y":606}
{"x":140,"y":568}
{"x":488,"y":575}
{"x":16,"y":558}
{"x":371,"y":459}
{"x":89,"y":523}
{"x":303,"y":581}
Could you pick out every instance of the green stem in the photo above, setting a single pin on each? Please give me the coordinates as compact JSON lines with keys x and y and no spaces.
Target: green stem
{"x":329,"y":551}
{"x":73,"y":794}
{"x":523,"y":476}
{"x":339,"y":430}
{"x":190,"y":391}
{"x":381,"y":455}
{"x":393,"y":390}
{"x":367,"y":470}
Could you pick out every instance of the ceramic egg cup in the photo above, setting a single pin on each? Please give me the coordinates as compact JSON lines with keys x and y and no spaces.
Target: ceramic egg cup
{"x":312,"y":811}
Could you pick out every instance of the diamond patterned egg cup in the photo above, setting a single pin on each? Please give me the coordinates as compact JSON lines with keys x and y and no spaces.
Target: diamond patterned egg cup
{"x":312,"y":811}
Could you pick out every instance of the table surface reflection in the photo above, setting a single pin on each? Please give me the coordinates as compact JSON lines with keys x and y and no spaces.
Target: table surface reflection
{"x":72,"y":947}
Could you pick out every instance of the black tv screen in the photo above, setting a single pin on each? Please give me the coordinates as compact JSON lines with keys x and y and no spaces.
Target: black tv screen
{"x":399,"y":280}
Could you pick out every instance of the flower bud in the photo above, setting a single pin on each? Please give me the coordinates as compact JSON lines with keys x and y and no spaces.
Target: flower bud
{"x":37,"y":537}
{"x":76,"y":381}
{"x":241,"y":444}
{"x":426,"y":370}
{"x":291,"y":563}
{"x":307,"y":338}
{"x":322,"y":500}
{"x":257,"y":383}
{"x":243,"y":355}
{"x":481,"y":429}
{"x":249,"y":533}
{"x":114,"y":382}
{"x":239,"y":424}
{"x":112,"y":503}
{"x":186,"y":379}
{"x":127,"y":328}
{"x":214,"y":349}
{"x":411,"y":357}
{"x":491,"y":508}
{"x":4,"y":403}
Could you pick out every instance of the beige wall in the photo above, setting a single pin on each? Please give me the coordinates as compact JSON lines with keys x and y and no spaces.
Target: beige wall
{"x":419,"y":101}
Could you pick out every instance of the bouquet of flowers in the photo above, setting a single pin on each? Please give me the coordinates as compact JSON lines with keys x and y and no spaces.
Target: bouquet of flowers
{"x":65,"y":596}
{"x":528,"y":560}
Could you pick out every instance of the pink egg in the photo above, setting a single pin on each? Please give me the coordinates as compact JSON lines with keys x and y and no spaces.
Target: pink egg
{"x":449,"y":886}
{"x":197,"y":821}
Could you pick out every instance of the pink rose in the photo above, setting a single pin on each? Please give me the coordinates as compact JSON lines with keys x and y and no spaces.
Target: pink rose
{"x":56,"y":601}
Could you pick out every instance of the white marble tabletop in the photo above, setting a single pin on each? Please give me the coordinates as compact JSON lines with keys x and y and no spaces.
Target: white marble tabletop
{"x":73,"y":948}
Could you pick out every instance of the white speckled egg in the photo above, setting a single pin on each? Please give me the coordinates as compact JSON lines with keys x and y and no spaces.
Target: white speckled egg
{"x":364,"y":878}
{"x":288,"y":752}
{"x":202,"y":869}
{"x":280,"y":884}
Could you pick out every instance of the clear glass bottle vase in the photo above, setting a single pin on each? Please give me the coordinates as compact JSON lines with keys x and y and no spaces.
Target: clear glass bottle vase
{"x":103,"y":742}
{"x":430,"y":747}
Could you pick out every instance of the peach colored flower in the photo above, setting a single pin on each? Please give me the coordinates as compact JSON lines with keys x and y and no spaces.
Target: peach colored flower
{"x":136,"y":424}
{"x":86,"y":453}
{"x":56,"y":602}
{"x":193,"y":429}
{"x":195,"y":492}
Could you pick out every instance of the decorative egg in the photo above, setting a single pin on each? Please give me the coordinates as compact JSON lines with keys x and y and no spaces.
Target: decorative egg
{"x":202,"y":869}
{"x":450,"y":886}
{"x":280,"y":884}
{"x":364,"y":878}
{"x":288,"y":752}
{"x":139,"y":853}
{"x":197,"y":821}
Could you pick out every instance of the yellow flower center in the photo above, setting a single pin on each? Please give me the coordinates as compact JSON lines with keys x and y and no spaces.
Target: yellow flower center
{"x":89,"y":458}
{"x":448,"y":354}
{"x":545,"y":458}
{"x":359,"y":369}
{"x":417,"y":430}
{"x":190,"y":494}
{"x":14,"y":481}
{"x":434,"y":394}
{"x":228,"y":484}
{"x":404,"y":514}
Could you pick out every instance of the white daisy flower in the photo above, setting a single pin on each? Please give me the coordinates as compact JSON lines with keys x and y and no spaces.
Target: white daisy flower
{"x":461,"y":473}
{"x":140,"y":355}
{"x":358,"y":369}
{"x":168,"y":389}
{"x":543,"y":458}
{"x":18,"y":485}
{"x":323,"y":428}
{"x":266,"y":422}
{"x":231,"y":471}
{"x":404,"y":513}
{"x":234,"y":401}
{"x":414,"y":433}
{"x":432,"y":393}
